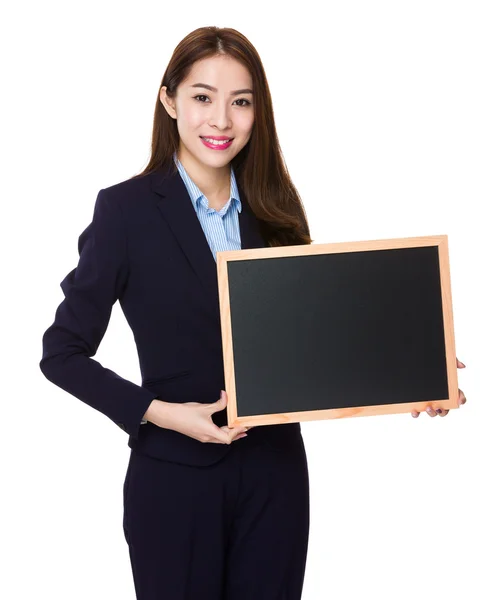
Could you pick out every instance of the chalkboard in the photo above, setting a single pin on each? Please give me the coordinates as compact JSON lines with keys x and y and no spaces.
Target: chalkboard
{"x":325,"y":331}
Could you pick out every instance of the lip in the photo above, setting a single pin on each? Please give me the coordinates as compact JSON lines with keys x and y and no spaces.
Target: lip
{"x":217,"y":137}
{"x":215,"y":146}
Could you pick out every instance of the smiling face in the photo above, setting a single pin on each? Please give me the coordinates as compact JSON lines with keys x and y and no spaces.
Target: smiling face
{"x":212,"y":102}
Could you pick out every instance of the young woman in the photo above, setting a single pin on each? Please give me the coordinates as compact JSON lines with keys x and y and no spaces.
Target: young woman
{"x":209,"y":514}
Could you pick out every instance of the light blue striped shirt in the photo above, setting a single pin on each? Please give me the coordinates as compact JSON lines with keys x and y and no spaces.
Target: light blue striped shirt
{"x":221,"y":228}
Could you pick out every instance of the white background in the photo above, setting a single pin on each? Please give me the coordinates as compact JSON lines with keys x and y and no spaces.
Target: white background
{"x":390,"y":117}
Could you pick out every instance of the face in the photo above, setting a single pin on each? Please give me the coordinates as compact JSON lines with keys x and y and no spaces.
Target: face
{"x":222,"y":112}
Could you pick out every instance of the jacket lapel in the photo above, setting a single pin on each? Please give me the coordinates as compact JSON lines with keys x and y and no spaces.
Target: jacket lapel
{"x":177,"y":211}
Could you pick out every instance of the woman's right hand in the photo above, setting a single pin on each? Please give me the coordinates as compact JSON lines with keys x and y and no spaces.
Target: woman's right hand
{"x":194,"y":420}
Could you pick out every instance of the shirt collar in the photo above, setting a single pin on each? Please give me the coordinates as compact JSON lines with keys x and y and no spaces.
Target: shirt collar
{"x":196,"y":194}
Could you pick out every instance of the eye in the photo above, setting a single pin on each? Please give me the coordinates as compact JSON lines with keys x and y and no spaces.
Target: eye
{"x":238,"y":100}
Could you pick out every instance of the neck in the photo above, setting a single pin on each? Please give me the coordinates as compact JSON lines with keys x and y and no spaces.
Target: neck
{"x":212,"y":181}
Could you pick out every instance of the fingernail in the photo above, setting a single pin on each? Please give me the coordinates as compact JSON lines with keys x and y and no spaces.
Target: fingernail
{"x":463,"y":366}
{"x":438,"y":410}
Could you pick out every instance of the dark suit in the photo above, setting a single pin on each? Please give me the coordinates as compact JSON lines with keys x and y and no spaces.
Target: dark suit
{"x":145,"y":247}
{"x":239,"y":527}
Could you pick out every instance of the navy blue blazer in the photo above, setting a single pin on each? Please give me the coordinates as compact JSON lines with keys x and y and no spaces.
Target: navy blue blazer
{"x":146,"y":248}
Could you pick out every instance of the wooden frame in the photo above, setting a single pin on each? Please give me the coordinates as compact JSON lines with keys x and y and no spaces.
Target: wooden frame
{"x":225,"y":258}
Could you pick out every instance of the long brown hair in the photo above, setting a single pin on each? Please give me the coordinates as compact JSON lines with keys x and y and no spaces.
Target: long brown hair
{"x":259,"y":167}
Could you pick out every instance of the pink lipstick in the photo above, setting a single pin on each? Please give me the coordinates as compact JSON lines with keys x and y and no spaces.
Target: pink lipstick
{"x":221,"y":146}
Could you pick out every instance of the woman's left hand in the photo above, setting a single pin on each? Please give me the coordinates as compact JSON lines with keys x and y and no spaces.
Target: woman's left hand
{"x":442,"y":412}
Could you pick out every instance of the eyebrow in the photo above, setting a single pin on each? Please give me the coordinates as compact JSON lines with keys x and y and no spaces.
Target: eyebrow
{"x":213,"y":89}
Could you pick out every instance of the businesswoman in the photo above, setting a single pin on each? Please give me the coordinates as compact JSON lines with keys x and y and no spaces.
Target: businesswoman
{"x":210,"y":513}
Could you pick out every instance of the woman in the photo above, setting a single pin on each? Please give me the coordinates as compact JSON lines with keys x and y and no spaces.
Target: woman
{"x":208,"y":515}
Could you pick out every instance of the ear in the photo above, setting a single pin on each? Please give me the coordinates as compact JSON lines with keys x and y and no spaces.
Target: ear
{"x":167,"y":102}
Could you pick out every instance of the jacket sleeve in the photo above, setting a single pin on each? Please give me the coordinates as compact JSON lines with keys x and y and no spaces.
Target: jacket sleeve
{"x":90,"y":290}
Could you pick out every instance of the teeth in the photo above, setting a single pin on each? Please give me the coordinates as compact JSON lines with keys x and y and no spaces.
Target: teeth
{"x":216,"y":142}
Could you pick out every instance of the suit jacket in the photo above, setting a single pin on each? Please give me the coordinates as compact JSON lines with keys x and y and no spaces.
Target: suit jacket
{"x":145,"y":247}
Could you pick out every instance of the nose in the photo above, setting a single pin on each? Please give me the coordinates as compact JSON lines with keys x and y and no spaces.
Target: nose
{"x":220,"y":116}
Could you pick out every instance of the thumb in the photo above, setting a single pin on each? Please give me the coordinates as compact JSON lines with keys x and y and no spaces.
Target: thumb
{"x":220,"y":404}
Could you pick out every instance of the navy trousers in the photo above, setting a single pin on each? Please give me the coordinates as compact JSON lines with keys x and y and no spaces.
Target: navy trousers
{"x":233,"y":530}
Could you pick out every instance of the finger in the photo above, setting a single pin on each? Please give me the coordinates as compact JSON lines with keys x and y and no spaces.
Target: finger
{"x":430,"y":411}
{"x":415,"y":414}
{"x":221,"y":434}
{"x":235,"y":432}
{"x":460,"y":364}
{"x":237,"y":429}
{"x":461,"y":399}
{"x":444,"y":412}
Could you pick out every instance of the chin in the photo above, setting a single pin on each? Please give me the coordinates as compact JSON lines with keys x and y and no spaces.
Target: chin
{"x":220,"y":158}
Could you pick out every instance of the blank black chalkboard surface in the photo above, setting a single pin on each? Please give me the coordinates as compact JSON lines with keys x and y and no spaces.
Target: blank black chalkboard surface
{"x":324,"y":331}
